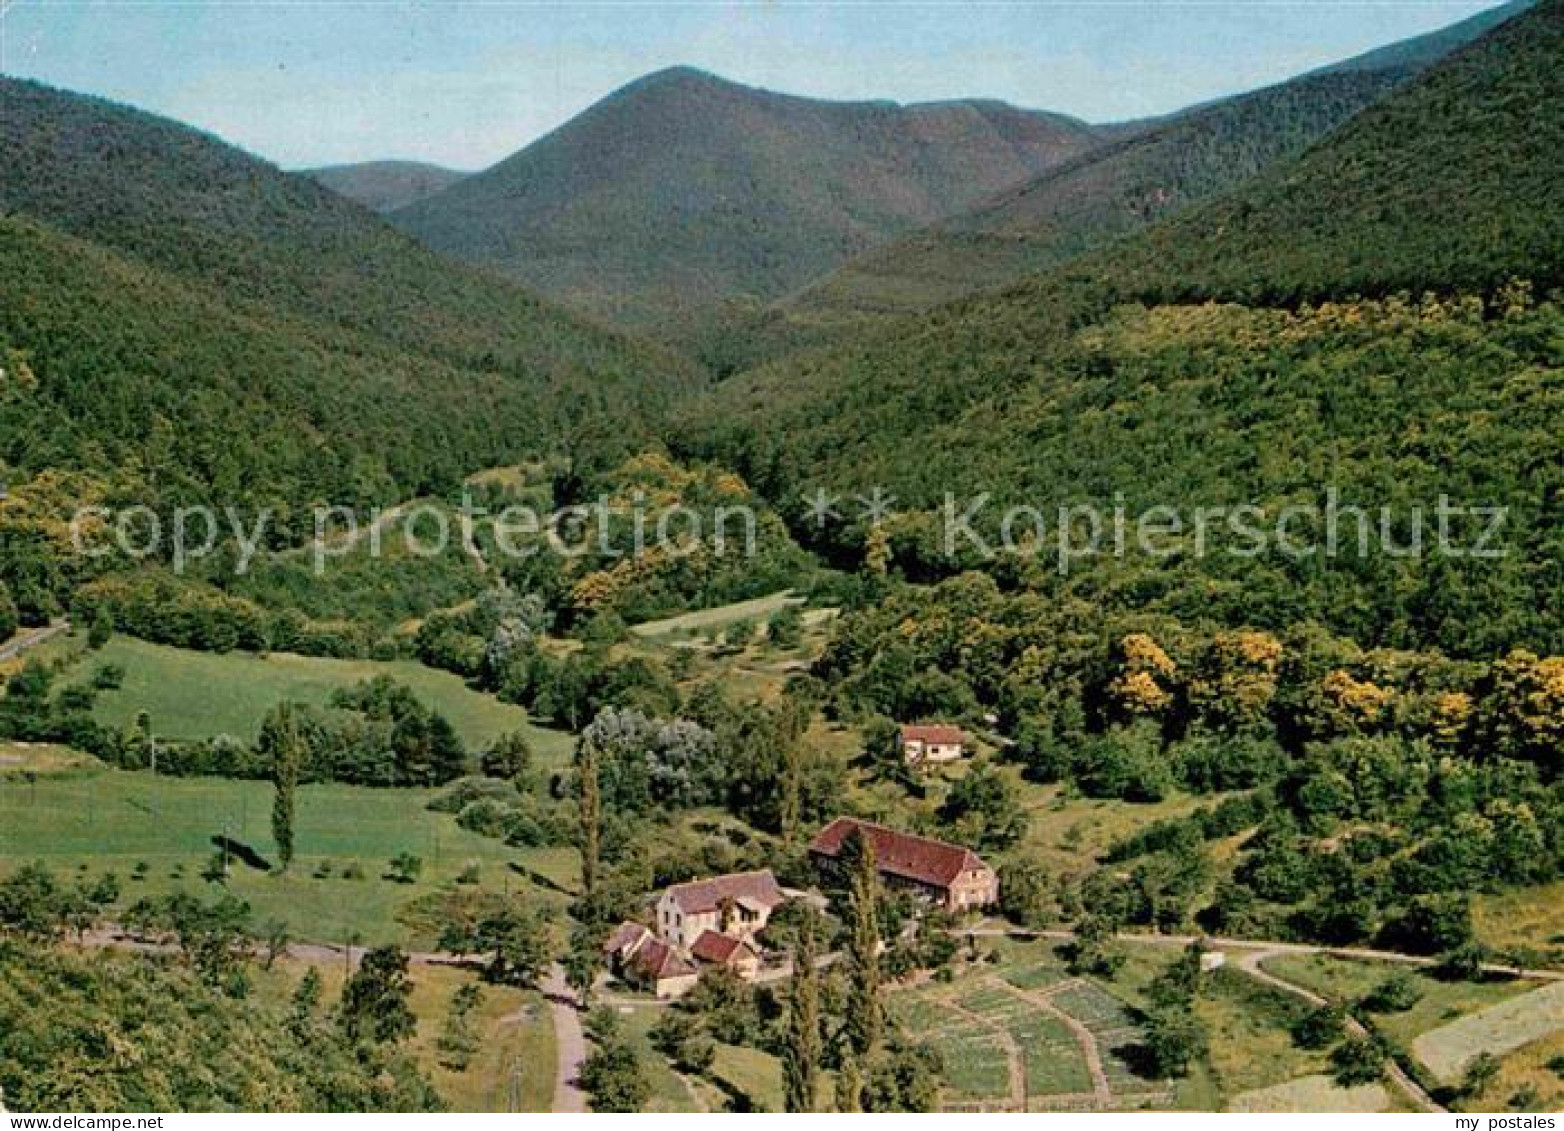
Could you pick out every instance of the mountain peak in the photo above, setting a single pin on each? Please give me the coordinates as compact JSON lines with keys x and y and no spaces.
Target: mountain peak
{"x":684,"y":190}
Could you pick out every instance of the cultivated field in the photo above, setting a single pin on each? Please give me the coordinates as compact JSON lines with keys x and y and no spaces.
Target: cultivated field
{"x":1022,"y":1034}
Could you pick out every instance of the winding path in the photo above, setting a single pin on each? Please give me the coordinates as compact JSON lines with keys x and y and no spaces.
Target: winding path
{"x":14,"y":647}
{"x":1252,"y":963}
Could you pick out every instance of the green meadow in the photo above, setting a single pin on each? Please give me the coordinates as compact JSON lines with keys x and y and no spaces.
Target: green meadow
{"x":88,"y":821}
{"x":191,"y":695}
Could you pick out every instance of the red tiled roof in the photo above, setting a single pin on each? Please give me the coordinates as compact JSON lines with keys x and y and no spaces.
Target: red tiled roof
{"x":757,"y":888}
{"x":626,"y":937}
{"x":718,"y":948}
{"x":657,"y":960}
{"x":936,"y":733}
{"x":901,"y":854}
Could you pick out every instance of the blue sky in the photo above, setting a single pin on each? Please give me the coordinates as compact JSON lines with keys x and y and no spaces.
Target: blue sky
{"x":306,"y":82}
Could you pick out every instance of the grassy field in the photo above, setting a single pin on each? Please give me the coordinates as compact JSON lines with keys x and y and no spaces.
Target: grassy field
{"x":1538,"y":1068}
{"x":200,"y":694}
{"x":1252,"y":1050}
{"x":1528,"y":920}
{"x":1346,"y":980}
{"x":1312,"y":1094}
{"x":513,"y":1067}
{"x":704,"y":620}
{"x":98,"y":820}
{"x":752,"y":1079}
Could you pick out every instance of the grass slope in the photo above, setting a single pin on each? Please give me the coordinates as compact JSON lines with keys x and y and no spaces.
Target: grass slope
{"x":201,"y":694}
{"x":93,"y":821}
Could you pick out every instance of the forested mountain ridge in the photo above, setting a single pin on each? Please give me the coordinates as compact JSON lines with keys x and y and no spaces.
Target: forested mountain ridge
{"x":683,"y":189}
{"x":1451,"y":183}
{"x":1156,"y":169}
{"x":385,"y":186}
{"x":1066,"y":388}
{"x":1093,"y":198}
{"x":169,"y":196}
{"x":181,"y":322}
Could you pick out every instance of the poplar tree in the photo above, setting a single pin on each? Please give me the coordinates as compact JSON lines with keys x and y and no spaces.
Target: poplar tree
{"x":801,"y":1053}
{"x":591,"y":809}
{"x":865,"y":1021}
{"x":283,"y":742}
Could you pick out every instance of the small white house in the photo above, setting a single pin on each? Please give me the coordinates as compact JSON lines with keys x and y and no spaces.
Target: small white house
{"x":932,"y":743}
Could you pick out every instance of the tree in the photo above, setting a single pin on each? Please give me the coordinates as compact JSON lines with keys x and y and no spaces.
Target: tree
{"x":282,"y":742}
{"x":404,"y":868}
{"x":906,"y":1078}
{"x":458,"y":1040}
{"x":864,"y":1021}
{"x":802,"y":1046}
{"x":849,"y":1085}
{"x":304,"y":1003}
{"x":213,"y":937}
{"x":1320,"y":1027}
{"x":1357,"y":1061}
{"x":101,"y":631}
{"x":1175,"y":1039}
{"x":727,"y":1004}
{"x":31,"y":902}
{"x":1396,"y":994}
{"x":10,"y":619}
{"x":375,"y":1000}
{"x":1480,"y":1073}
{"x":584,"y":961}
{"x":883,"y":754}
{"x":1024,"y":891}
{"x":509,"y":759}
{"x":681,"y":1038}
{"x":590,"y":804}
{"x":613,"y":1074}
{"x":1093,"y":950}
{"x":515,"y":940}
{"x":984,"y":809}
{"x":786,"y":629}
{"x":1434,"y":924}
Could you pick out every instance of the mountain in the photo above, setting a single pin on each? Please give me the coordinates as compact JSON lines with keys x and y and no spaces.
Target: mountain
{"x":1425,"y":50}
{"x":179,"y":320}
{"x":1154,"y":171}
{"x":682,"y":190}
{"x":1194,"y":365}
{"x":385,"y":186}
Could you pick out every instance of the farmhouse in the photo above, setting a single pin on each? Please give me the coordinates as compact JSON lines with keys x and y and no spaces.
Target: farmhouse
{"x":931,"y":744}
{"x":713,"y":949}
{"x":947,"y":875}
{"x":737,"y":905}
{"x":642,"y":959}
